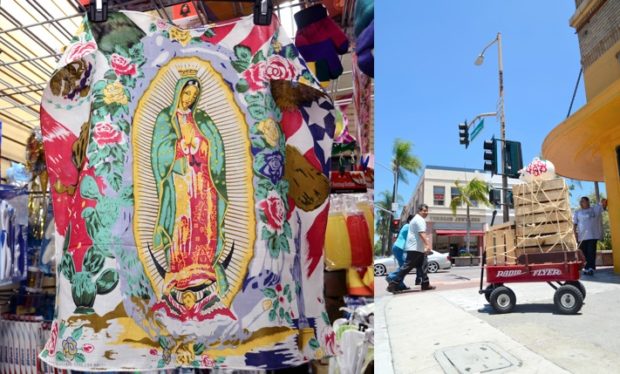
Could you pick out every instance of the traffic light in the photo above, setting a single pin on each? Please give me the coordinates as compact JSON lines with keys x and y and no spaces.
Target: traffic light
{"x":495,"y":196}
{"x":464,"y":134}
{"x":510,"y":198}
{"x":514,"y":159}
{"x":395,"y":225}
{"x":490,"y":156}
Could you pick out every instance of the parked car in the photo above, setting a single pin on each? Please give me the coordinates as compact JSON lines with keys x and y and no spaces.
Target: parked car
{"x":436,"y":261}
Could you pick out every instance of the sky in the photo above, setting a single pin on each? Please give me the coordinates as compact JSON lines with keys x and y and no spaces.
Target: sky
{"x":426,"y":82}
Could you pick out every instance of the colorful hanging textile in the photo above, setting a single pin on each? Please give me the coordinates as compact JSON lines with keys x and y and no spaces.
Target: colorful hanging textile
{"x":190,"y":193}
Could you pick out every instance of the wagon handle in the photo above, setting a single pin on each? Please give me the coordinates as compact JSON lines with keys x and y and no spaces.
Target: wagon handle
{"x":483,"y":261}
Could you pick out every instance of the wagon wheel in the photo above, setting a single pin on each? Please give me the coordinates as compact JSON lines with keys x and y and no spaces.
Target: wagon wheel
{"x":568,"y":299}
{"x":503,"y":299}
{"x":489,"y":289}
{"x":579,"y":286}
{"x":487,"y":292}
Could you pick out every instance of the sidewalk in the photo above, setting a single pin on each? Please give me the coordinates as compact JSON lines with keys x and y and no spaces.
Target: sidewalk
{"x":413,"y":329}
{"x":420,"y":324}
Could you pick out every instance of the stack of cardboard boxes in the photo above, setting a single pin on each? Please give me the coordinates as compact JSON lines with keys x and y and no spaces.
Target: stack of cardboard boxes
{"x":543,"y":227}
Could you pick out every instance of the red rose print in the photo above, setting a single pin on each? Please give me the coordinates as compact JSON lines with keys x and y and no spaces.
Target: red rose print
{"x":255,"y":76}
{"x":274,"y":211}
{"x":279,"y":68}
{"x":122,"y":66}
{"x":279,"y":287}
{"x":153,"y":352}
{"x":106,"y":133}
{"x":281,"y":299}
{"x":80,"y":50}
{"x":51,"y":343}
{"x":88,"y":348}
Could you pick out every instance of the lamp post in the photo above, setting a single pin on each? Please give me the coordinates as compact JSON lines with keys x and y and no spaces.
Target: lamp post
{"x":502,"y":120}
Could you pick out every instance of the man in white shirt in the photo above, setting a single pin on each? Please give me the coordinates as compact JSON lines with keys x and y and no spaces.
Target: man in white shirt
{"x":416,"y":247}
{"x":588,"y":230}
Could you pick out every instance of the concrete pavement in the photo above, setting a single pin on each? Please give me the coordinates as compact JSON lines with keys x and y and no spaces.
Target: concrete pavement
{"x":414,"y":330}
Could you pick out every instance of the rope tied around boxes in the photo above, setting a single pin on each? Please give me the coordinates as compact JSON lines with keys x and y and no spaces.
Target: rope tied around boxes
{"x":543,"y":227}
{"x":544,"y":220}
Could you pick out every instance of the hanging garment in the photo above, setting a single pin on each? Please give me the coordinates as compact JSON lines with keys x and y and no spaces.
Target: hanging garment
{"x":321,"y":41}
{"x":189,"y":171}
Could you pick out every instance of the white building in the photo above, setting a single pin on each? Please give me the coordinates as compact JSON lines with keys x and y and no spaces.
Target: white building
{"x":436,"y":189}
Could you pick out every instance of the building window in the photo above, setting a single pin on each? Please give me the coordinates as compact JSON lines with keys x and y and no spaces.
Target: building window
{"x":454,"y":193}
{"x":439,"y":195}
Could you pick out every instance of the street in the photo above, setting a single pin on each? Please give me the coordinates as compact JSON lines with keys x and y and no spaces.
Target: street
{"x":456,"y":277}
{"x":426,"y":325}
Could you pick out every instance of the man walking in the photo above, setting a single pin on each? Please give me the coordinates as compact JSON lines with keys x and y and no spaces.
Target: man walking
{"x":416,"y":247}
{"x":398,"y":249}
{"x":588,"y":230}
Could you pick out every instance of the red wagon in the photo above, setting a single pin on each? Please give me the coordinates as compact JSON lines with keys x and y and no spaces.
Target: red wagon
{"x":539,"y":246}
{"x":561,"y":270}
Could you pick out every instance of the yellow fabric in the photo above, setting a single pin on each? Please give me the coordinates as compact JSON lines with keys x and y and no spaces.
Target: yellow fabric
{"x":366,"y":208}
{"x":337,"y":243}
{"x":358,"y":285}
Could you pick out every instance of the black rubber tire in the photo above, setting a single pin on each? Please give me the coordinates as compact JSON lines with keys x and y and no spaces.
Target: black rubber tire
{"x":503,"y":299}
{"x":432,"y":267}
{"x":568,"y":299}
{"x":487,"y":292}
{"x":379,"y":270}
{"x":579,"y":286}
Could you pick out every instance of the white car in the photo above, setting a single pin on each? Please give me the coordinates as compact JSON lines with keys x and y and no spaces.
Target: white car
{"x":436,"y":261}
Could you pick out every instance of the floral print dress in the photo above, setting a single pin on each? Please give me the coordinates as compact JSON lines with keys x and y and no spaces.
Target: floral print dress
{"x":143,"y":202}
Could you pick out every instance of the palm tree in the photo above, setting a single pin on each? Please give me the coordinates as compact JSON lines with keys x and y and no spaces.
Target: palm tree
{"x":402,"y":162}
{"x":384,"y":218}
{"x":475,"y":190}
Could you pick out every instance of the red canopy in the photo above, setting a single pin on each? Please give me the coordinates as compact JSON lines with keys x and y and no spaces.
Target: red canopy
{"x":459,"y":232}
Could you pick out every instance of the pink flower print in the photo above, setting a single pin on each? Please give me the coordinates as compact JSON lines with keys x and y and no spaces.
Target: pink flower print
{"x":279,"y":68}
{"x":255,"y":76}
{"x":207,"y":362}
{"x":80,"y":50}
{"x":122,"y":65}
{"x":106,"y":133}
{"x":274,"y":210}
{"x":51,"y":343}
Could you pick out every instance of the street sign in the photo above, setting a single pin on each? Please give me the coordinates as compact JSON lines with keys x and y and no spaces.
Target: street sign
{"x":476,"y":130}
{"x":394,"y":207}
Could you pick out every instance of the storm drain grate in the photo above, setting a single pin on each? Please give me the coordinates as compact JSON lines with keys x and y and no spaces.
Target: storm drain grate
{"x":476,"y":358}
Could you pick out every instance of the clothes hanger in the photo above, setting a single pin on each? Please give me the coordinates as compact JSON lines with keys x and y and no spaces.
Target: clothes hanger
{"x":263,"y":10}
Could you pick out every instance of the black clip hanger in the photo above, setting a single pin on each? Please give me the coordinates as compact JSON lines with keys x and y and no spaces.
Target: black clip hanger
{"x":263,"y":10}
{"x":98,"y":11}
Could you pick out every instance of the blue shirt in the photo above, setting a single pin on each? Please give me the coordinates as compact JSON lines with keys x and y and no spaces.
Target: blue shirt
{"x":401,"y":239}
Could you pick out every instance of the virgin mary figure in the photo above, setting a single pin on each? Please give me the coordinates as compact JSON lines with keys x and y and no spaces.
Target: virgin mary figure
{"x":187,"y":158}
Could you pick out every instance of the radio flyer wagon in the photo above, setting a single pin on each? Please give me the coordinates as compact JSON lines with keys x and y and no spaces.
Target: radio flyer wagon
{"x":561,"y":271}
{"x":539,"y":246}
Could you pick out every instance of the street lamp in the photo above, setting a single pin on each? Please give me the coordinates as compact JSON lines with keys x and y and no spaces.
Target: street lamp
{"x":502,"y":120}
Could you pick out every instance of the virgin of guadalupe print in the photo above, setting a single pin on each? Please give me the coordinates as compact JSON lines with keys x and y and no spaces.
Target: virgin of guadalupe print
{"x":190,"y":191}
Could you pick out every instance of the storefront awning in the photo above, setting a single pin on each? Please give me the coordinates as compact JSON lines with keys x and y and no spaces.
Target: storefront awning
{"x":459,"y":232}
{"x":576,"y":145}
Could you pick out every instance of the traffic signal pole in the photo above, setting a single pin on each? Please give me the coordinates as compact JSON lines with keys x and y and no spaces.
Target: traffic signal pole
{"x":502,"y":127}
